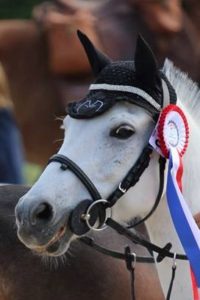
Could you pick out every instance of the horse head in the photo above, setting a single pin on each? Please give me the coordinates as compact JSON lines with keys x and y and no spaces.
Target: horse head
{"x":106,"y":136}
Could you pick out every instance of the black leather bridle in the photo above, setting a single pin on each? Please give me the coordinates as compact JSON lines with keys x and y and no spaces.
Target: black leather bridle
{"x":76,"y":222}
{"x":137,"y":170}
{"x":80,"y":225}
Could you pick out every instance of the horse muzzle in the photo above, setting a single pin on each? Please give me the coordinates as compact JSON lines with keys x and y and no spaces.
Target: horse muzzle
{"x":40,"y":228}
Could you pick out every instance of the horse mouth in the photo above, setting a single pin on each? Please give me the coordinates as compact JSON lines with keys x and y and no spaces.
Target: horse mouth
{"x":58,"y":244}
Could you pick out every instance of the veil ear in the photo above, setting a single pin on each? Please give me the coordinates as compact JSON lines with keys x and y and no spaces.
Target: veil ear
{"x":145,"y":63}
{"x":96,"y":59}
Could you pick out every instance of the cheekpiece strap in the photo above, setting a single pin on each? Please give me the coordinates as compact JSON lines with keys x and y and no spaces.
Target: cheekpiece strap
{"x":132,"y":176}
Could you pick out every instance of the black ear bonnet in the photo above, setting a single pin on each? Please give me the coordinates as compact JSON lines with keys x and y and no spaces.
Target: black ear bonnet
{"x":138,"y":82}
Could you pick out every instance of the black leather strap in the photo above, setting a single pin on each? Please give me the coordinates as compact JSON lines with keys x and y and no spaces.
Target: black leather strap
{"x":162,"y":162}
{"x":90,"y":242}
{"x":130,"y":265}
{"x":139,"y":240}
{"x":171,"y":282}
{"x":132,"y":176}
{"x":68,"y":163}
{"x":130,"y":179}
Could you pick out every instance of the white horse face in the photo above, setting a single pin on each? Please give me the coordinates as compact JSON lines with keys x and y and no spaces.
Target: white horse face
{"x":105,"y":148}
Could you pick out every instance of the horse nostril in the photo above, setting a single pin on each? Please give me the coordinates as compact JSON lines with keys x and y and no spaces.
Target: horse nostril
{"x":43,"y":212}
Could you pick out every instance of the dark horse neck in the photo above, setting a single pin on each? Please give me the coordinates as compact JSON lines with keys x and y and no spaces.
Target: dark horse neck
{"x":86,"y":273}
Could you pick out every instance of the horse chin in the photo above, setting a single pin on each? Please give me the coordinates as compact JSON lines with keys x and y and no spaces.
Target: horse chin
{"x":60,"y":246}
{"x":56,"y":246}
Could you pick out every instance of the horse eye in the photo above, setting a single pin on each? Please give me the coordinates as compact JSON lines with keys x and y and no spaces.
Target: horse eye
{"x":122,"y":132}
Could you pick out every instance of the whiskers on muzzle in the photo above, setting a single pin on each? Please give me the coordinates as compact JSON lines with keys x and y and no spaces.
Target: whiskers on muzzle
{"x":55,"y":262}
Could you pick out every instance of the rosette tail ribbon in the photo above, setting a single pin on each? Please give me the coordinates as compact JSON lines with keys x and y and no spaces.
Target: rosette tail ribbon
{"x":183,"y":220}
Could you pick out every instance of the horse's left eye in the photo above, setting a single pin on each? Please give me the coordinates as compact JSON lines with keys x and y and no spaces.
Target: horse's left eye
{"x":122,"y":132}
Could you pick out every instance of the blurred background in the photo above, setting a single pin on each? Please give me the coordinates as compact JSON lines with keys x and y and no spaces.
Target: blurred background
{"x":17,"y":9}
{"x":43,"y":66}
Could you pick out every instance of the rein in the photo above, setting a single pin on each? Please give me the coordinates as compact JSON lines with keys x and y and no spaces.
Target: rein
{"x":123,"y":256}
{"x":78,"y":224}
{"x":136,"y":239}
{"x":131,"y":258}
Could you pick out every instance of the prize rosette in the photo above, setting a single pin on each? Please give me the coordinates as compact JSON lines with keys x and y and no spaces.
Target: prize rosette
{"x":170,"y":139}
{"x":172,"y":130}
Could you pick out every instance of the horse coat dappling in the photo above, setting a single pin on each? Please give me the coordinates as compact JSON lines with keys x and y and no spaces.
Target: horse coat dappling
{"x":105,"y":155}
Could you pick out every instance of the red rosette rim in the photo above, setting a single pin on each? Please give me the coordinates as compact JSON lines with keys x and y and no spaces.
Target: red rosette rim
{"x":160,"y":129}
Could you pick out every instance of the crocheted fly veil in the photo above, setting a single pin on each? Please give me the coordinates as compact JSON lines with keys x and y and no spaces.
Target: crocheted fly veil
{"x":138,"y":82}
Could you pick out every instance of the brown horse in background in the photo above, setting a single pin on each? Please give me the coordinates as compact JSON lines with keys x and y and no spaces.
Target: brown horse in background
{"x":85,"y":274}
{"x":46,"y":67}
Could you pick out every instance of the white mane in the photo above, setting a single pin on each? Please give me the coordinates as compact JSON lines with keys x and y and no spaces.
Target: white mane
{"x":188,"y":92}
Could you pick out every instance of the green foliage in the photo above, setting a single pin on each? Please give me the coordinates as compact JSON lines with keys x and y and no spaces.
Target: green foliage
{"x":31,"y":173}
{"x":17,"y":9}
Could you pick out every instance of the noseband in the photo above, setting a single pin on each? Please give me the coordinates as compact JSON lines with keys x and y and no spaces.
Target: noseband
{"x":77,"y":223}
{"x":67,"y":163}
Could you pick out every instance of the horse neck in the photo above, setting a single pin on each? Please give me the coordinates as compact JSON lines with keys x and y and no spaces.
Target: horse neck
{"x":161,"y":228}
